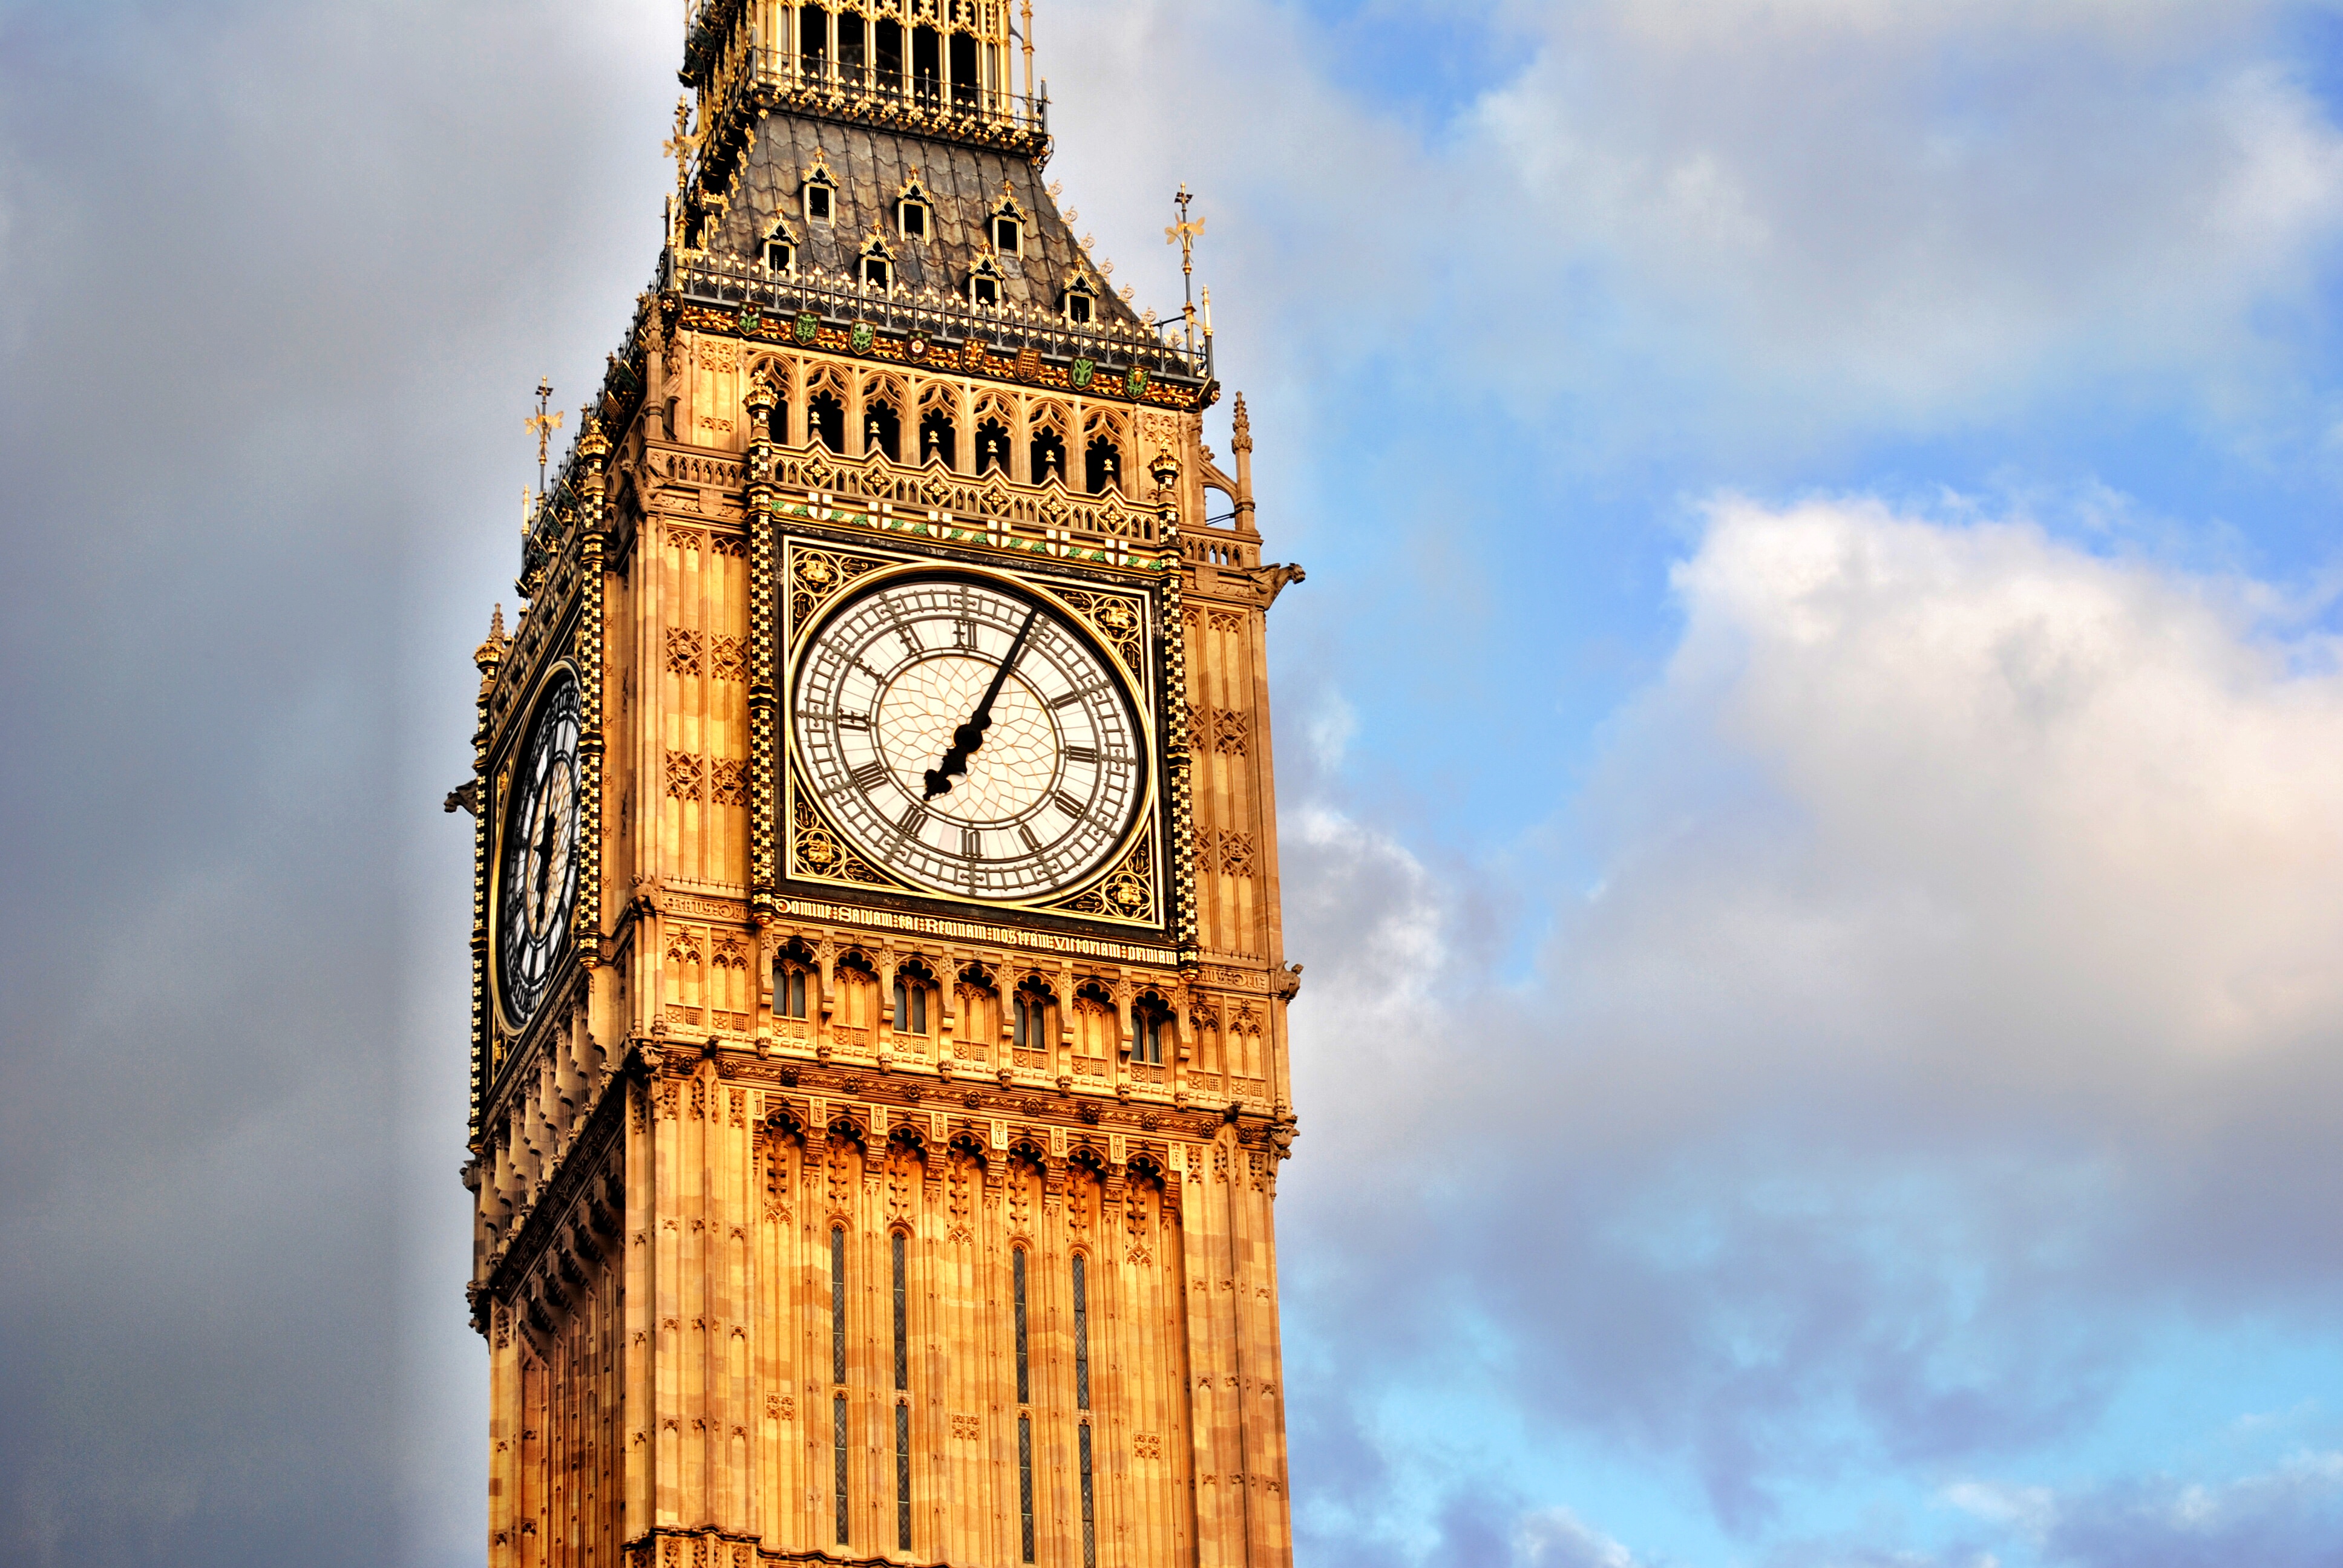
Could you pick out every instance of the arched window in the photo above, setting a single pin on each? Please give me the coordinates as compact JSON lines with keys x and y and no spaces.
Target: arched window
{"x":881,"y":431}
{"x":789,"y":991}
{"x":857,"y":996}
{"x":876,"y":266}
{"x":963,"y":71}
{"x":992,"y":447}
{"x":826,"y":420}
{"x":927,"y":66}
{"x":938,"y":439}
{"x":1030,"y":1029}
{"x":888,"y":55}
{"x":813,"y":42}
{"x":912,"y":988}
{"x":1094,"y":1029}
{"x":1151,"y":1024}
{"x":1101,"y":465}
{"x":852,"y":47}
{"x":781,"y":421}
{"x":1049,"y":457}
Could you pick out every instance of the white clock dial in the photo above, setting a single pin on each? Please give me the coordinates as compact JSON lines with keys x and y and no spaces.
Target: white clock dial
{"x":536,"y":884}
{"x":897,"y":681}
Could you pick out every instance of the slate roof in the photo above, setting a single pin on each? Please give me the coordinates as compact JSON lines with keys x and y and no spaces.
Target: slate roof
{"x":870,"y":165}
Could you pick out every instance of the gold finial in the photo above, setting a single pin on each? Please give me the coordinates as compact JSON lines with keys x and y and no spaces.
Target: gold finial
{"x":1027,"y":39}
{"x":542,"y":424}
{"x":1185,"y":235}
{"x":683,"y":144}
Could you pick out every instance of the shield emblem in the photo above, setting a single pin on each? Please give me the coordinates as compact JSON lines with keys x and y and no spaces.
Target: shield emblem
{"x":1135,"y":383}
{"x":751,"y":318}
{"x":1084,"y":370}
{"x":809,"y":327}
{"x":861,"y":337}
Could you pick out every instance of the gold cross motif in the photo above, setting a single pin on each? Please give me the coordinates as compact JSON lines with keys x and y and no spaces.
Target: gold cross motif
{"x":683,"y":144}
{"x":542,"y":424}
{"x":1184,"y":233}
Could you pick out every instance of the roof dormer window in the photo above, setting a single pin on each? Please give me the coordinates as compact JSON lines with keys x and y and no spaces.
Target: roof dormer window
{"x":1082,"y":301}
{"x":875,"y":267}
{"x":913,"y":215}
{"x":1006,"y":226}
{"x":780,"y":249}
{"x":984,"y":282}
{"x":820,"y":194}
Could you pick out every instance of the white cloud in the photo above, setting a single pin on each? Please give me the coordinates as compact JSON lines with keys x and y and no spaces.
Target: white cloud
{"x":1557,"y":1538}
{"x":1960,"y":996}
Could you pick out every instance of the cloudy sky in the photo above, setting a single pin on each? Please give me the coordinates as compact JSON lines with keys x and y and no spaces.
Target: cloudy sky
{"x":1811,"y":747}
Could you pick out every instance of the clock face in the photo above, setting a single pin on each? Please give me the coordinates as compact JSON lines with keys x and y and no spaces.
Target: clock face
{"x":894,"y":685}
{"x":537,"y":885}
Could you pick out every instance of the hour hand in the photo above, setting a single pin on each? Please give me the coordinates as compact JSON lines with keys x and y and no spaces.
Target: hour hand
{"x":965,"y":740}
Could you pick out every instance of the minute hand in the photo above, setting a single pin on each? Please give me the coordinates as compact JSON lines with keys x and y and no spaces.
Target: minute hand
{"x":971,"y":736}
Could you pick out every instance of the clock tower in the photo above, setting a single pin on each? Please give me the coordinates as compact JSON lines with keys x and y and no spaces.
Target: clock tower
{"x":878,"y":996}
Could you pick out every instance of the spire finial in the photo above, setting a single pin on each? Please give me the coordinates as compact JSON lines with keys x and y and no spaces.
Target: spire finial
{"x":542,"y":424}
{"x":1184,"y":235}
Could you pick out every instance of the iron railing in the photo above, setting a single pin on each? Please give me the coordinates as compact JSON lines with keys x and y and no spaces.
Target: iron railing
{"x":1113,"y":348}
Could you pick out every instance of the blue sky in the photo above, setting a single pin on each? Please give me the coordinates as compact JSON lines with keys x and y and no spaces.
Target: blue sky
{"x":1811,"y":751}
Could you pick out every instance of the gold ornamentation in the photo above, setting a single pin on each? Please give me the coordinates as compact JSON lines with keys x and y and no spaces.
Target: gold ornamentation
{"x":815,"y":851}
{"x":728,"y":783}
{"x":1114,"y":618}
{"x":682,"y":651}
{"x":817,"y":575}
{"x":1125,"y":893}
{"x":682,"y":776}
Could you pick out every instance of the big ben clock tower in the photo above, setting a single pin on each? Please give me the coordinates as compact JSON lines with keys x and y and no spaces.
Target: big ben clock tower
{"x":879,"y":1026}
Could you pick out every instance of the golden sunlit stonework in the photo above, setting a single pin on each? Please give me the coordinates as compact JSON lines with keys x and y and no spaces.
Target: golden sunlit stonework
{"x":880,"y":1004}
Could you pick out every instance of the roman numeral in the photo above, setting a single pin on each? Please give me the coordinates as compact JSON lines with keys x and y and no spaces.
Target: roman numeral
{"x":1076,"y":695}
{"x":971,"y":844}
{"x":1082,"y":754}
{"x":870,"y":776}
{"x":1026,"y":833}
{"x":1072,"y":807}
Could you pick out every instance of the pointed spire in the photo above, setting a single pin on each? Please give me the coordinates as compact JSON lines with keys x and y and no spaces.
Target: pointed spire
{"x":491,"y":652}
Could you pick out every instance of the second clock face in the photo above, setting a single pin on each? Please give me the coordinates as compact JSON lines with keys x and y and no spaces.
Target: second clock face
{"x":897,"y":681}
{"x":536,"y":884}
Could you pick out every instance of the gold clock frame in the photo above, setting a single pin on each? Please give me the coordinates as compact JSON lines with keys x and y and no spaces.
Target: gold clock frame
{"x":500,"y":828}
{"x":1129,"y":889}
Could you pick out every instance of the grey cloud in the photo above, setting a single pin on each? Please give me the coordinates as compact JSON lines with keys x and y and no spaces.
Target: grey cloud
{"x":2290,"y":1518}
{"x":275,"y":281}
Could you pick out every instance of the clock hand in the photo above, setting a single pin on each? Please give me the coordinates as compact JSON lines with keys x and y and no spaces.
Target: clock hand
{"x":971,"y":736}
